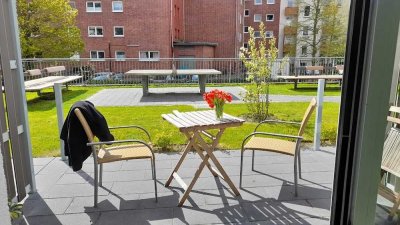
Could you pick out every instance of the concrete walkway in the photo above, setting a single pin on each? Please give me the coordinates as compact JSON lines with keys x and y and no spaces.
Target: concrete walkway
{"x":179,"y":96}
{"x":267,"y":197}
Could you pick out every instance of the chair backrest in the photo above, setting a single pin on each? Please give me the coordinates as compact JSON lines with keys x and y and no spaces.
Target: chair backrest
{"x":391,"y":147}
{"x":34,"y":72}
{"x":85,"y":125}
{"x":307,"y":115}
{"x":54,"y":69}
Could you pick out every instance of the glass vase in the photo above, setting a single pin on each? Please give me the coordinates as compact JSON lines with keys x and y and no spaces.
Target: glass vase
{"x":219,"y":111}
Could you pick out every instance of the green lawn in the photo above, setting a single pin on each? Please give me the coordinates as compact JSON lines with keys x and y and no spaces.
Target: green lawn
{"x":44,"y":133}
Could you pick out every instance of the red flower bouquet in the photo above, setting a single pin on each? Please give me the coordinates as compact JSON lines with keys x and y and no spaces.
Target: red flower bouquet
{"x":217,"y":98}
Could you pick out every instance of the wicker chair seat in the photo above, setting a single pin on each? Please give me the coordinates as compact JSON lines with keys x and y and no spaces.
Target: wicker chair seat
{"x":270,"y":144}
{"x":124,"y":152}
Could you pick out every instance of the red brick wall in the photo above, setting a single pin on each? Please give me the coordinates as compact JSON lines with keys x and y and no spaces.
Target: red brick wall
{"x":263,"y":9}
{"x":213,"y":21}
{"x":146,"y":28}
{"x":194,"y":51}
{"x":178,"y":20}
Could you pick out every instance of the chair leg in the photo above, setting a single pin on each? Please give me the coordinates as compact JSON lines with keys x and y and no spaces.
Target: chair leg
{"x":395,"y":207}
{"x":299,"y":161}
{"x":101,"y":175}
{"x":153,"y":169}
{"x":96,"y":184}
{"x":295,"y":174}
{"x":241,"y":168}
{"x":252,"y":161}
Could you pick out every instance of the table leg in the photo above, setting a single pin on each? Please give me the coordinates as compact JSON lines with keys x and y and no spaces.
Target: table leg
{"x":185,"y":151}
{"x":196,"y":176}
{"x":202,"y":83}
{"x":198,"y":150}
{"x":209,"y":151}
{"x":145,"y":84}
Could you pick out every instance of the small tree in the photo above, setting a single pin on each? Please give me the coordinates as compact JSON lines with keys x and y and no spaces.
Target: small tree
{"x":48,"y":29}
{"x":258,"y":59}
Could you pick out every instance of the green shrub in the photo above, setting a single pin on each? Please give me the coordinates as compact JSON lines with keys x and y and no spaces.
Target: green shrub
{"x":164,"y":141}
{"x":15,"y":209}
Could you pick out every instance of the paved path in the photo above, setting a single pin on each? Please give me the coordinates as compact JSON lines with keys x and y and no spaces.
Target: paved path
{"x":66,"y":198}
{"x":179,"y":96}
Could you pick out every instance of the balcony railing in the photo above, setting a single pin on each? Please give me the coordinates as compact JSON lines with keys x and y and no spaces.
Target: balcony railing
{"x":112,"y":71}
{"x":291,"y":11}
{"x":290,"y":30}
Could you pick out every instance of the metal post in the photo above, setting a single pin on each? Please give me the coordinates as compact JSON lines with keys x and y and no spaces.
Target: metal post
{"x":318,"y":118}
{"x":60,"y":115}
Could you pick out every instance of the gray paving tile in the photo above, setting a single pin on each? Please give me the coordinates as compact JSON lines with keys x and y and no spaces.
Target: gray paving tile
{"x":42,"y":207}
{"x":42,"y":161}
{"x":72,"y":190}
{"x":209,"y":214}
{"x":67,"y":219}
{"x":146,"y":216}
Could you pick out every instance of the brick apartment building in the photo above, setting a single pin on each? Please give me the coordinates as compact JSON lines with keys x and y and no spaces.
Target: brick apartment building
{"x":160,"y":28}
{"x":266,"y":11}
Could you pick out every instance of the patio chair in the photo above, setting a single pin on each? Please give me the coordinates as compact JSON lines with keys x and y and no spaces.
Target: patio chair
{"x":137,"y":149}
{"x":390,"y":159}
{"x":255,"y":142}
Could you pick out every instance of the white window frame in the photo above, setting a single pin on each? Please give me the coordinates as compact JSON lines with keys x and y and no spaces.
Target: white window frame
{"x":273,"y":17}
{"x":123,"y":31}
{"x":259,"y":34}
{"x":270,"y":2}
{"x":309,"y":12}
{"x":308,"y":30}
{"x":244,"y":29}
{"x":255,"y":18}
{"x":119,"y":10}
{"x":259,"y":3}
{"x":116,"y":55}
{"x":96,"y":28}
{"x":97,"y":53}
{"x":248,"y":13}
{"x":270,"y":32}
{"x":149,"y":59}
{"x":94,"y":7}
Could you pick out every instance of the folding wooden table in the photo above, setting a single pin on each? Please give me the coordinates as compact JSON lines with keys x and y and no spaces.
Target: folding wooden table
{"x":195,"y":125}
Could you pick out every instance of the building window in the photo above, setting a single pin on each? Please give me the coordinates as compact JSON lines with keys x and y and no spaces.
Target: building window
{"x":117,"y":6}
{"x":120,"y":55}
{"x":149,"y":55}
{"x":245,"y":45}
{"x":95,"y":31}
{"x":307,"y":10}
{"x":246,"y":13}
{"x":92,"y":6}
{"x":245,"y":29}
{"x":270,"y":17}
{"x":97,"y":54}
{"x":257,"y":2}
{"x":257,"y":17}
{"x":72,"y":4}
{"x":305,"y":30}
{"x":118,"y":31}
{"x":303,"y":50}
{"x":270,"y":1}
{"x":269,"y":34}
{"x":257,"y":34}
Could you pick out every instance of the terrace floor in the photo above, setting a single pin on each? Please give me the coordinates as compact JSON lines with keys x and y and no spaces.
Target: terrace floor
{"x":180,"y":96}
{"x":66,"y":197}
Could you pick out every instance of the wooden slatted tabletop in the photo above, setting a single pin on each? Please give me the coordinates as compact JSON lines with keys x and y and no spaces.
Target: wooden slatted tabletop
{"x":201,"y":120}
{"x":46,"y":82}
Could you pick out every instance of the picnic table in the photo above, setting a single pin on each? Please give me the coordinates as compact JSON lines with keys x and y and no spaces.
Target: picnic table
{"x":310,"y":77}
{"x":195,"y":125}
{"x":202,"y":73}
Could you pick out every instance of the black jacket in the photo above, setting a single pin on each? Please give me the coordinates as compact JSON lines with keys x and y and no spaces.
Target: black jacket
{"x":74,"y":136}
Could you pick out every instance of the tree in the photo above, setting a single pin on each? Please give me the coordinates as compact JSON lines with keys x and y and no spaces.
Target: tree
{"x":258,"y":59}
{"x":47,"y":29}
{"x":333,"y":31}
{"x":321,"y":27}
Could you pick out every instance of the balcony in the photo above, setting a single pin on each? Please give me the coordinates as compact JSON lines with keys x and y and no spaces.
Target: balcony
{"x":287,"y":48}
{"x":291,"y":11}
{"x":290,"y":30}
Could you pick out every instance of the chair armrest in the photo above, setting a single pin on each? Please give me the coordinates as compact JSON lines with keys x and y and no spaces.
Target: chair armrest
{"x":299,"y":138}
{"x":117,"y":142}
{"x":276,"y":121}
{"x":132,"y":126}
